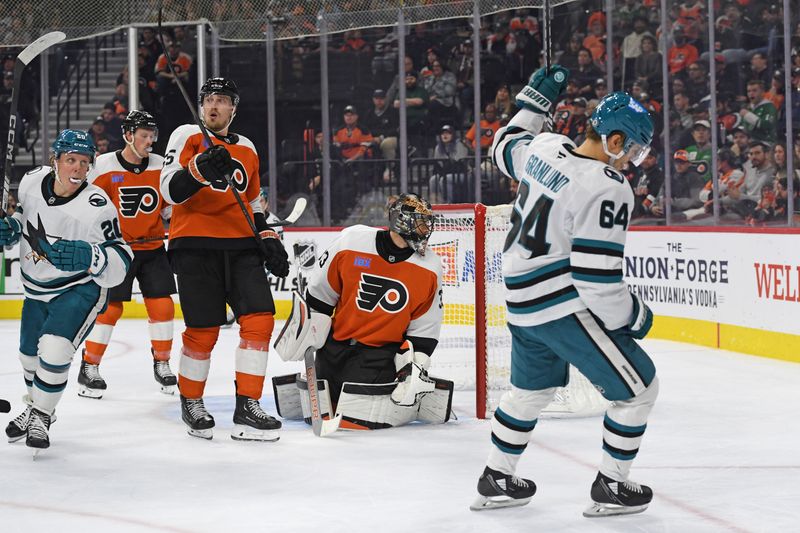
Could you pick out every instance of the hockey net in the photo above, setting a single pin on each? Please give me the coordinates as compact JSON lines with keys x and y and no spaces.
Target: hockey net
{"x":475,"y":345}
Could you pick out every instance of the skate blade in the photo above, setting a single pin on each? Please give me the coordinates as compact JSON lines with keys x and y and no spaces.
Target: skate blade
{"x":207,"y":434}
{"x":597,"y":510}
{"x":86,"y":392}
{"x":245,"y":433}
{"x":12,"y":440}
{"x":483,"y":503}
{"x":167,"y":389}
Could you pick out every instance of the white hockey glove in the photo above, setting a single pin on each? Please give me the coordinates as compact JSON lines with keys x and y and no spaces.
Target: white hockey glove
{"x":304,"y":329}
{"x":412,"y":376}
{"x":642,"y":319}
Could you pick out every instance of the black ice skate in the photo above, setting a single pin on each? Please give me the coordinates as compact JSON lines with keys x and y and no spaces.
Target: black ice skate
{"x":164,"y":376}
{"x":18,"y":428}
{"x":612,"y":497}
{"x":498,"y":490}
{"x":252,"y":423}
{"x":194,"y":414}
{"x":90,"y":384}
{"x":38,"y":425}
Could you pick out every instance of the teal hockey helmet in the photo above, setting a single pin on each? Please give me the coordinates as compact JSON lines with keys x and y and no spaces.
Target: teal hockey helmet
{"x":74,"y":142}
{"x":620,"y":112}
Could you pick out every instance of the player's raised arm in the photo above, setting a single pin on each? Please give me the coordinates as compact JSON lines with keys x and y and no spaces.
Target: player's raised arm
{"x":536,"y":101}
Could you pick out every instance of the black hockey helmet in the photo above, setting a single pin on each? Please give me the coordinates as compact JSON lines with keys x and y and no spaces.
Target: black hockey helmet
{"x":411,"y":217}
{"x":139,"y":119}
{"x":222,"y":86}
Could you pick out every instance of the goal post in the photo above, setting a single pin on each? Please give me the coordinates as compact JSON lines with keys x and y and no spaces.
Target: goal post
{"x":475,"y":344}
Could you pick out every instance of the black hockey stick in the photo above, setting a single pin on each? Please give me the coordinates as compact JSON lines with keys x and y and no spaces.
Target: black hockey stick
{"x":548,"y":36}
{"x":207,"y":138}
{"x":23,"y":60}
{"x":297,"y":211}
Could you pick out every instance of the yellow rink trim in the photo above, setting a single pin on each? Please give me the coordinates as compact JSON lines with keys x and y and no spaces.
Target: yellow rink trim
{"x":775,"y":345}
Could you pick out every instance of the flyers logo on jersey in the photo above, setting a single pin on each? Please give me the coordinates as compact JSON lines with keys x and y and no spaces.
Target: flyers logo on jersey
{"x":376,"y":291}
{"x":135,"y":199}
{"x":239,"y":178}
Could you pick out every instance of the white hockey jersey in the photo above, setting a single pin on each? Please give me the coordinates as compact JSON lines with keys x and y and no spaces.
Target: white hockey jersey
{"x":564,"y":251}
{"x":379,"y":300}
{"x":88,"y":215}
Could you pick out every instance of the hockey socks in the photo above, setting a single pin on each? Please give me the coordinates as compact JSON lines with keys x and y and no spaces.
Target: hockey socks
{"x":160,"y":313}
{"x":255,"y":331}
{"x":100,"y":336}
{"x":196,"y":360}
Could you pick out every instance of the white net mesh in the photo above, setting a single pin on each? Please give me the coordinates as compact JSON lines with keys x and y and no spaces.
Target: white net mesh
{"x":459,"y":350}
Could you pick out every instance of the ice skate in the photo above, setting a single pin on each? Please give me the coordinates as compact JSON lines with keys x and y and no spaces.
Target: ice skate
{"x":200,"y":423}
{"x":164,"y":376}
{"x":18,"y":428}
{"x":612,"y":497}
{"x":499,"y":490}
{"x":252,"y":423}
{"x":38,"y":425}
{"x":90,"y":384}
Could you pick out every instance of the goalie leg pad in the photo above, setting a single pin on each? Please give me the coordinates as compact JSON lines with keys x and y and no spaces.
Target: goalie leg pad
{"x":303,"y":329}
{"x":370,"y":406}
{"x":287,"y":396}
{"x":324,"y":398}
{"x":435,"y":408}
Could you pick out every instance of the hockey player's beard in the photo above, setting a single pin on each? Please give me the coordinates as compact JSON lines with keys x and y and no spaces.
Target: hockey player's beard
{"x":215,"y":125}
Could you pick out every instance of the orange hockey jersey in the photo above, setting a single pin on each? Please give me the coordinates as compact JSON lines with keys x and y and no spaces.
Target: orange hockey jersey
{"x":134,"y":189}
{"x":378,"y":301}
{"x":212,"y":217}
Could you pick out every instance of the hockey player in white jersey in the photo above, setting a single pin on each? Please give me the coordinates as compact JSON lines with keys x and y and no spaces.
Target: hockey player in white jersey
{"x":567,"y":302}
{"x":71,"y":253}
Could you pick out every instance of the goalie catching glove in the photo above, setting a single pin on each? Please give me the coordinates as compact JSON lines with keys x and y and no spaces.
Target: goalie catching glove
{"x":642,"y":319}
{"x":412,"y":376}
{"x":543,"y":89}
{"x":303,"y":330}
{"x":211,"y":167}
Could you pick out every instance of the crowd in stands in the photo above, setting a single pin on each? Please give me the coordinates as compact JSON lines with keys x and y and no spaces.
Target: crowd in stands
{"x":439,"y":68}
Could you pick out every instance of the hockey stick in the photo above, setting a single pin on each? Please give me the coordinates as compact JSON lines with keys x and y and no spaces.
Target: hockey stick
{"x":297,"y":212}
{"x":206,"y":137}
{"x":23,"y":60}
{"x":548,"y":37}
{"x":320,"y":426}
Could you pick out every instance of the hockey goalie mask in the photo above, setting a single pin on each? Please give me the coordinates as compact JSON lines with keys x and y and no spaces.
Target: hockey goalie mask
{"x":411,"y":217}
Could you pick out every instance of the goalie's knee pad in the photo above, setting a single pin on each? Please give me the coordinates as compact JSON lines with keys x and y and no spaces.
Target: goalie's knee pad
{"x":437,"y":406}
{"x":291,"y":397}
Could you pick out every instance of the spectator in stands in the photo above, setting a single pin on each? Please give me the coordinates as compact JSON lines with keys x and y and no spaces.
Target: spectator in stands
{"x":383,"y":121}
{"x":441,"y":88}
{"x":779,"y":160}
{"x":354,"y":42}
{"x":182,"y":62}
{"x":632,"y":47}
{"x":569,"y":57}
{"x":647,"y":66}
{"x":758,"y":171}
{"x":450,"y":182}
{"x":490,"y":123}
{"x":120,"y":100}
{"x":12,"y":204}
{"x":776,"y":90}
{"x":796,"y":100}
{"x":681,"y":53}
{"x":595,"y":41}
{"x":102,"y":145}
{"x":647,"y":185}
{"x":600,"y":89}
{"x":760,"y":116}
{"x":418,"y":42}
{"x":586,"y":73}
{"x":462,"y":65}
{"x":113,"y":126}
{"x":352,"y":140}
{"x":432,"y":55}
{"x":700,"y":152}
{"x":416,"y":111}
{"x":758,"y":69}
{"x":728,"y":79}
{"x":98,"y":129}
{"x":150,"y":43}
{"x":570,"y":119}
{"x":187,"y":38}
{"x":391,"y":92}
{"x":741,"y":145}
{"x":680,"y":104}
{"x":730,"y":176}
{"x":686,"y":185}
{"x":504,"y":104}
{"x":782,"y":196}
{"x":696,"y":82}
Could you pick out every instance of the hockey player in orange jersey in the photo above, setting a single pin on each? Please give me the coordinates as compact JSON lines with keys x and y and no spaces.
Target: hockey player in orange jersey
{"x":217,"y":260}
{"x":131,"y":179}
{"x":383,"y":289}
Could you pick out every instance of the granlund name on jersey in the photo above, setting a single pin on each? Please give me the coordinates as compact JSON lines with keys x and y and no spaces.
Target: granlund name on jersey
{"x":378,"y":302}
{"x":564,"y":251}
{"x":88,"y":216}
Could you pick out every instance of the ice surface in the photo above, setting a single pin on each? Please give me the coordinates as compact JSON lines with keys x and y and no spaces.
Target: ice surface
{"x":721,"y":453}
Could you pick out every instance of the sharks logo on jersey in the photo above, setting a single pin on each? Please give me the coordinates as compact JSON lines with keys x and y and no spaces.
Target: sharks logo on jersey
{"x":132,"y":200}
{"x":374,"y":291}
{"x":35,"y":235}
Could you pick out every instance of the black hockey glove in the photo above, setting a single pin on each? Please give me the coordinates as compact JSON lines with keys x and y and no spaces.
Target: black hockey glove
{"x":277,"y":261}
{"x":210,"y":167}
